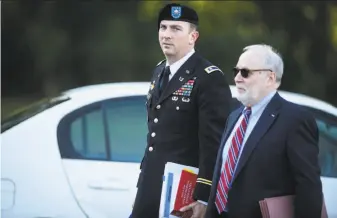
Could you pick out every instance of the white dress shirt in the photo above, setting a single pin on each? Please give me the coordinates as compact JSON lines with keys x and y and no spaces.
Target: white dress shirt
{"x":257,"y":111}
{"x":175,"y":66}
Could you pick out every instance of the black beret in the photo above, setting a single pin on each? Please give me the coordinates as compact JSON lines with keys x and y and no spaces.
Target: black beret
{"x":178,"y":12}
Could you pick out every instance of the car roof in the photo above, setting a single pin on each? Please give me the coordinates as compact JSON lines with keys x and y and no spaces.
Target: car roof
{"x":109,"y":90}
{"x":121,"y":89}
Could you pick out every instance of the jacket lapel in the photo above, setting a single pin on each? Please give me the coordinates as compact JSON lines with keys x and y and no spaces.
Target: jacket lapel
{"x":266,"y":120}
{"x":155,"y":91}
{"x":184,"y":73}
{"x":231,"y":121}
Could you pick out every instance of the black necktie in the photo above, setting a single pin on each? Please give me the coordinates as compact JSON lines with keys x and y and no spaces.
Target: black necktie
{"x":164,"y":79}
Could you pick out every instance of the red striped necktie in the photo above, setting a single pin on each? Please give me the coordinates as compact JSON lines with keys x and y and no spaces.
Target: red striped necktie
{"x":227,"y":170}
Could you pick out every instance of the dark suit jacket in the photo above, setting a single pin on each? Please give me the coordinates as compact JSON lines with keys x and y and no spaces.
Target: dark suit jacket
{"x":185,"y":127}
{"x":279,"y":158}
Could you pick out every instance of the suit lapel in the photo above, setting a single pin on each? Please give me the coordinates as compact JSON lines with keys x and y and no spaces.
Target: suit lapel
{"x":184,"y":73}
{"x":231,"y":121}
{"x":266,"y":120}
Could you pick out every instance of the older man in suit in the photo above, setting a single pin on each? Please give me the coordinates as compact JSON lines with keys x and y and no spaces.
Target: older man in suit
{"x":269,"y":147}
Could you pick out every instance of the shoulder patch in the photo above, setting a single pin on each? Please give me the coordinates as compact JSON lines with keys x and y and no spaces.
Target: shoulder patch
{"x":161,"y":62}
{"x":211,"y":69}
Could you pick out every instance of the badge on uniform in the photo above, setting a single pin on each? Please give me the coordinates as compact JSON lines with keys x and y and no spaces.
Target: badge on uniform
{"x":184,"y":99}
{"x":152,"y":85}
{"x":186,"y":89}
{"x":174,"y":98}
{"x":211,"y":69}
{"x":176,"y":12}
{"x":148,"y":96}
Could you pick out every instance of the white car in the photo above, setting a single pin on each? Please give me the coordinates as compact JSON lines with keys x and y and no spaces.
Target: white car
{"x":78,"y":155}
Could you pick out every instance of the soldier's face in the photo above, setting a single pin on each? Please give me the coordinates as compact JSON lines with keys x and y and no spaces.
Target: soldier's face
{"x":256,"y":85}
{"x":176,"y":37}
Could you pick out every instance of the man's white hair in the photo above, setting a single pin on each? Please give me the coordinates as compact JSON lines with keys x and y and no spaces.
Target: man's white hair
{"x":272,"y":58}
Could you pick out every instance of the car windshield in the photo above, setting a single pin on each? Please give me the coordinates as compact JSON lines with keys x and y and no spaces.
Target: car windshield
{"x":31,"y":110}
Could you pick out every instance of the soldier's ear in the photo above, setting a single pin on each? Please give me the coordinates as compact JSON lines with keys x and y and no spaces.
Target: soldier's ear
{"x":193,"y":37}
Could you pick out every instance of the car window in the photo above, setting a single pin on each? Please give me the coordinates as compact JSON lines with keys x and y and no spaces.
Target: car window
{"x":81,"y":134}
{"x":127,"y":128}
{"x":113,"y":130}
{"x":31,"y":110}
{"x":328,"y":148}
{"x":327,"y":125}
{"x":87,"y":135}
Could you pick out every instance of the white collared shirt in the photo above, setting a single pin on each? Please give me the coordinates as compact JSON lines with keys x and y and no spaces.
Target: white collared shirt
{"x":175,"y":66}
{"x":257,"y":111}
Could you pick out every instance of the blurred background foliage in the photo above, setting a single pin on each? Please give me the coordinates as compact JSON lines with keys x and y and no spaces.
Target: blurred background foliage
{"x":51,"y":46}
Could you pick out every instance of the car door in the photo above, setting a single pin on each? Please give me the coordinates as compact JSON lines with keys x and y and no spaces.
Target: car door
{"x":101,"y":146}
{"x":327,"y":125}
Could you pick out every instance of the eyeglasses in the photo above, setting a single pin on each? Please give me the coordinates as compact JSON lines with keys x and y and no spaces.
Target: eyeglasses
{"x":246,"y":72}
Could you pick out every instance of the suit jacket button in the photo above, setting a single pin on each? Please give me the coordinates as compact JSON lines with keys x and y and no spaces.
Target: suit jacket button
{"x":153,"y":134}
{"x":150,"y":149}
{"x":155,"y":120}
{"x":158,"y":106}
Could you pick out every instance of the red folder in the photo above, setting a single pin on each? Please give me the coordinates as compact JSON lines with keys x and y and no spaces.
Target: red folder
{"x":282,"y":207}
{"x":185,"y":190}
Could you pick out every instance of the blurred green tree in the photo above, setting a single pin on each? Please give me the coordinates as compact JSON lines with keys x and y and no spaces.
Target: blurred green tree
{"x":48,"y":47}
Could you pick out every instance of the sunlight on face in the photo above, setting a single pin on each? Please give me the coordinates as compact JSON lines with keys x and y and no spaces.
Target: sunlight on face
{"x":253,"y":88}
{"x":175,"y":37}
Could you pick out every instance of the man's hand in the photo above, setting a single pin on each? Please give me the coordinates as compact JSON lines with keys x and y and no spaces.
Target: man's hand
{"x":198,"y":209}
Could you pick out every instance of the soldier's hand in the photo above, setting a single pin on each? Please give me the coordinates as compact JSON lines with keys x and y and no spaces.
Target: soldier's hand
{"x":197,"y":208}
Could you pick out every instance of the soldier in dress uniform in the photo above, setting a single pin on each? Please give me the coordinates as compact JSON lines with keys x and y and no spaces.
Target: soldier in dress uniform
{"x":188,"y":103}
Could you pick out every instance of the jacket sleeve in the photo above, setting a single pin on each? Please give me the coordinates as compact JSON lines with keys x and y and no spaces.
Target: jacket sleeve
{"x":302,"y":150}
{"x":214,"y":105}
